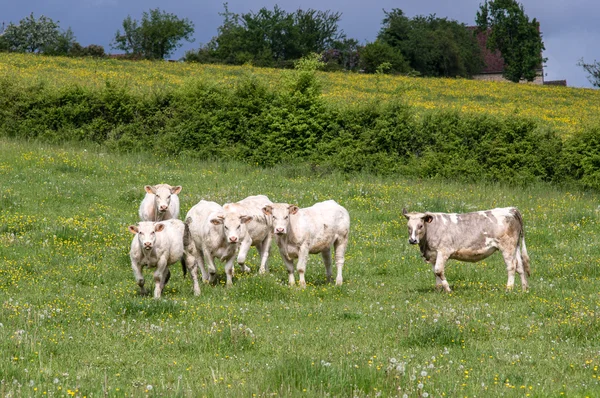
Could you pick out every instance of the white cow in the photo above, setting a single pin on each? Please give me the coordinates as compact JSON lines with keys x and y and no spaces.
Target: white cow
{"x":160,"y":203}
{"x":205,"y":240}
{"x":300,"y":232}
{"x":156,"y":245}
{"x":245,"y":222}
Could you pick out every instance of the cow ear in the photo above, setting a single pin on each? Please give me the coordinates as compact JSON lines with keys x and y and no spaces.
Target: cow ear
{"x":133,"y":229}
{"x":176,"y":190}
{"x":405,"y":213}
{"x":150,"y":189}
{"x":159,"y":227}
{"x":246,"y":219}
{"x":293,"y":209}
{"x":428,"y":218}
{"x":268,"y":210}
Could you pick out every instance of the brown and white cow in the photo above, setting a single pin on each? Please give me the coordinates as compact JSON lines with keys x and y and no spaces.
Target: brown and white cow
{"x":470,"y":237}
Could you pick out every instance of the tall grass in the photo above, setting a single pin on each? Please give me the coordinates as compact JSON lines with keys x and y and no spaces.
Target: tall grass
{"x":72,"y":322}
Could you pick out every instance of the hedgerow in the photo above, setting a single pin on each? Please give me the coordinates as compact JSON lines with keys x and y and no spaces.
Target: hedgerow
{"x":293,"y":124}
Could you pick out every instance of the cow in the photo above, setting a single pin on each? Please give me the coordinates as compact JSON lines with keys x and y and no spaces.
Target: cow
{"x":300,"y":232}
{"x":245,"y":222}
{"x":160,"y":203}
{"x":156,"y":245}
{"x":470,"y":237}
{"x":205,"y":240}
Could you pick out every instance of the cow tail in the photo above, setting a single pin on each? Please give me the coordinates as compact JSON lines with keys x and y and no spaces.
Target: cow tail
{"x":186,"y":241}
{"x":521,"y":247}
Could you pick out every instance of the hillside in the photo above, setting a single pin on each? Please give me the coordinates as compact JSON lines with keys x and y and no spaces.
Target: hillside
{"x":568,"y":110}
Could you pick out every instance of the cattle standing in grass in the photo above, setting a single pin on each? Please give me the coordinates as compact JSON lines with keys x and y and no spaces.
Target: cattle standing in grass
{"x":470,"y":237}
{"x":156,"y":244}
{"x":160,"y":203}
{"x":300,"y":232}
{"x":245,"y":222}
{"x":204,"y":240}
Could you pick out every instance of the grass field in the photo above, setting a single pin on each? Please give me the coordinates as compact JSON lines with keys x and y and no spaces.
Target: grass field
{"x":568,"y":110}
{"x":72,"y":322}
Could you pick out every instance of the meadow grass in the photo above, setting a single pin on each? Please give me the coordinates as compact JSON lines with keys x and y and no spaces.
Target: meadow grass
{"x":73,"y":324}
{"x":568,"y":110}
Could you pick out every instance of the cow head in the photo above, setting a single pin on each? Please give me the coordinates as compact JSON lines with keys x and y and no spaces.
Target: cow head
{"x":146,"y":233}
{"x":417,"y":225}
{"x":162,"y":195}
{"x":280,"y":213}
{"x":234,"y":226}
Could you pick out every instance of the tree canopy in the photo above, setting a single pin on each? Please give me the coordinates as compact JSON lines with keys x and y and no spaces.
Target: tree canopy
{"x":270,"y":37}
{"x":156,"y":36}
{"x":31,"y":34}
{"x":432,"y":46}
{"x":516,"y":37}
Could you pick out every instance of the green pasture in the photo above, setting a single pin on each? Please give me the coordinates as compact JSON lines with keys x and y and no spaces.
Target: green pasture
{"x":73,"y":324}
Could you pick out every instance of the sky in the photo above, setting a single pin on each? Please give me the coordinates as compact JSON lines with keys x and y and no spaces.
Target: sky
{"x":570,"y":29}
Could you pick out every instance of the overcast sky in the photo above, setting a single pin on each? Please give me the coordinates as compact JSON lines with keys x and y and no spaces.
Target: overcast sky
{"x":570,"y":29}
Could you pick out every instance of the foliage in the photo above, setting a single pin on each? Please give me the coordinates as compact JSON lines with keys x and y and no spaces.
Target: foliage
{"x":432,"y":46}
{"x":343,"y":55}
{"x":64,"y":44}
{"x":31,"y":34}
{"x":270,"y":37}
{"x":374,"y":54}
{"x":518,"y":39}
{"x":93,"y":50}
{"x":593,"y":69}
{"x":156,"y":36}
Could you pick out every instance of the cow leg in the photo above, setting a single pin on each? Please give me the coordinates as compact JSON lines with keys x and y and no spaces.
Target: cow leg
{"x":212,"y":270}
{"x":190,"y":261}
{"x":264,"y":249}
{"x":510,"y":259}
{"x":289,"y":263}
{"x":301,"y":265}
{"x":243,"y":253}
{"x":521,"y":270}
{"x":438,"y":280}
{"x":340,"y":246}
{"x":159,"y":277}
{"x":139,"y":277}
{"x":438,"y":270}
{"x":229,"y":271}
{"x":327,"y":261}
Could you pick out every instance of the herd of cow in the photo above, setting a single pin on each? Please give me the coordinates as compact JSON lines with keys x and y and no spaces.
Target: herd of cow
{"x":213,"y":231}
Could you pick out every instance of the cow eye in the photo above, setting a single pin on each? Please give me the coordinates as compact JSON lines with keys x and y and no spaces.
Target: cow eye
{"x":225,"y":227}
{"x":274,"y":218}
{"x":286,"y":217}
{"x":238,"y":226}
{"x":420,"y":226}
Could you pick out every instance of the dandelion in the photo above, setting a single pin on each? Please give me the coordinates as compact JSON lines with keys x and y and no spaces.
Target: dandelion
{"x":423,"y":373}
{"x":149,"y":387}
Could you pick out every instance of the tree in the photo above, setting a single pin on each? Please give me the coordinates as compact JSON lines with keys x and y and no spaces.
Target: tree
{"x":31,"y":35}
{"x":594,"y":71}
{"x":157,"y":35}
{"x":62,"y":45}
{"x":516,"y":37}
{"x":270,"y":37}
{"x":432,"y":46}
{"x":378,"y":53}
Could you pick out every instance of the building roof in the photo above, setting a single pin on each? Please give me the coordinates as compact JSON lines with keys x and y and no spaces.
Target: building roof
{"x":494,"y":63}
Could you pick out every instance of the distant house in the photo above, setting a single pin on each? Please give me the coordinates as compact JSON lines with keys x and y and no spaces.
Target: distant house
{"x":494,"y":63}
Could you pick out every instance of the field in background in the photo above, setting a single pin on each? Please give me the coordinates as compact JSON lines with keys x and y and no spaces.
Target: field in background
{"x":73,"y":324}
{"x":569,"y":110}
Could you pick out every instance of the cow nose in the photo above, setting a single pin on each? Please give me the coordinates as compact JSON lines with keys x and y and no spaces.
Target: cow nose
{"x":147,"y":245}
{"x":412,"y":241}
{"x":163,"y":208}
{"x":278,"y":230}
{"x":233,"y":238}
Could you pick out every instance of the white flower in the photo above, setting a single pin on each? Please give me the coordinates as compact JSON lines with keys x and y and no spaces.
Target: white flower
{"x":393,"y":360}
{"x":149,"y":387}
{"x":56,"y":381}
{"x":423,"y":373}
{"x":420,"y":386}
{"x":425,"y":395}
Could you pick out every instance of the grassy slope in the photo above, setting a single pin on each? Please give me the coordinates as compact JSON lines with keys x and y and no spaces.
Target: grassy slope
{"x":568,"y":110}
{"x":73,"y":323}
